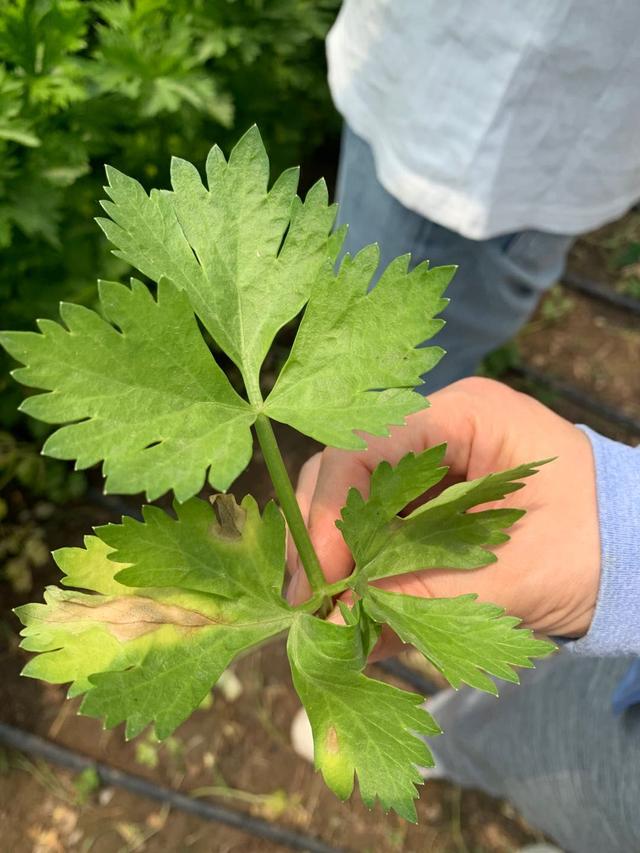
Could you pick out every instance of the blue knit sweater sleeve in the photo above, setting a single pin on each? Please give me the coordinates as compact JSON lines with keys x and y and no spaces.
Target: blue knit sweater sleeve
{"x":615,"y":629}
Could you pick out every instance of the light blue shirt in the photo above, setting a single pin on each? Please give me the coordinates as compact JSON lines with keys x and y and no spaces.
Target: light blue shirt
{"x":615,"y":628}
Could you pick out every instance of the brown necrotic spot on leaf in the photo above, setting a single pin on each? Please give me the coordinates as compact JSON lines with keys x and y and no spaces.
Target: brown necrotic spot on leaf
{"x":331,"y":742}
{"x":128,"y":617}
{"x":231,"y":517}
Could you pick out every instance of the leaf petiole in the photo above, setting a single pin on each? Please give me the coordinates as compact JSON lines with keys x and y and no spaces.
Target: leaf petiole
{"x":321,"y":602}
{"x":289,"y":504}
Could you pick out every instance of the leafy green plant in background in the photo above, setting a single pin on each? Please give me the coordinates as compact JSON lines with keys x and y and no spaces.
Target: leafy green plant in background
{"x":153,"y":611}
{"x":128,"y":82}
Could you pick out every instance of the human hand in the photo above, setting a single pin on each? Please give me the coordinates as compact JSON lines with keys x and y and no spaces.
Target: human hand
{"x":548,"y":573}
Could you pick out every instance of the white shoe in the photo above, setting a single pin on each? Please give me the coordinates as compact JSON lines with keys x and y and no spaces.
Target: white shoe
{"x":302,"y":736}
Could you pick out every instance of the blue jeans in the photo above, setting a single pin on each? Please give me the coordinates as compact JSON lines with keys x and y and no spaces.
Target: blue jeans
{"x":553,"y":747}
{"x":498,"y":283}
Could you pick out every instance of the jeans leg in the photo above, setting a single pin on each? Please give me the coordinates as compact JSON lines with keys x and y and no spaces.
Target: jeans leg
{"x":498,"y":283}
{"x":373,"y":215}
{"x":495,"y":291}
{"x":554,"y":748}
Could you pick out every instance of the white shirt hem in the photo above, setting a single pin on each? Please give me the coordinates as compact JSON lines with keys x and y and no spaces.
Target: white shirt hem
{"x":459,"y":211}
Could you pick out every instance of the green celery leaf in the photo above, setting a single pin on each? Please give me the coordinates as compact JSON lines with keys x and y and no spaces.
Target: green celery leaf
{"x":440,"y":534}
{"x":391,"y":490}
{"x":194,"y":550}
{"x":246,"y":257}
{"x":360,"y":726}
{"x":462,"y":637}
{"x":151,"y":654}
{"x":355,"y":363}
{"x":148,"y":399}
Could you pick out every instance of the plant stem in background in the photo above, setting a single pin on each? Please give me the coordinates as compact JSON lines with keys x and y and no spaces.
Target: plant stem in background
{"x":288,"y":503}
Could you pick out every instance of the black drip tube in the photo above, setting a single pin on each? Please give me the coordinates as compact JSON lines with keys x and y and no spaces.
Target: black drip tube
{"x":34,"y":745}
{"x":598,"y":291}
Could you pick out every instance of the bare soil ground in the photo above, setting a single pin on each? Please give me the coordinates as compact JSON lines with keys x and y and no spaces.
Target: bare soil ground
{"x":238,"y":751}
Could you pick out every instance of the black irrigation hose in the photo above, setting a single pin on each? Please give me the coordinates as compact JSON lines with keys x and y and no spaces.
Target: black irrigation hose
{"x":604,"y":294}
{"x":577,"y":396}
{"x":25,"y":742}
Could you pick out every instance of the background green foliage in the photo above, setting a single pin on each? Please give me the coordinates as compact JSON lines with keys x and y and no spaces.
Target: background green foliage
{"x":130,"y":82}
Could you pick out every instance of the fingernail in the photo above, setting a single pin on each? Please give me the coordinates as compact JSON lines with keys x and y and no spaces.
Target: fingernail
{"x":292,"y":589}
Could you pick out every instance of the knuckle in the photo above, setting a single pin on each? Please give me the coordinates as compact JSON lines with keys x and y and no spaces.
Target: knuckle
{"x":480,"y":386}
{"x":487,"y":395}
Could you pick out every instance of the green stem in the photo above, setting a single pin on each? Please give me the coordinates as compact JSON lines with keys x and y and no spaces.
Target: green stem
{"x":288,"y":503}
{"x":323,"y":597}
